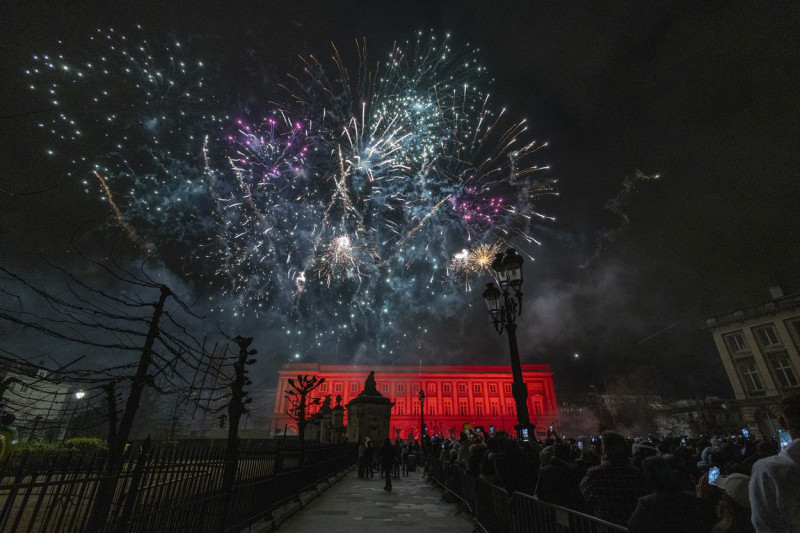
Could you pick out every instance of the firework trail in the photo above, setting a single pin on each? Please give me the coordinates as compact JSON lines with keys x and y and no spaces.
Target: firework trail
{"x":334,"y":209}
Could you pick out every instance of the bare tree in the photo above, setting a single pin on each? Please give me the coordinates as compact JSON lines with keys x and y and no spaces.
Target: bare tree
{"x":149,"y":337}
{"x":300,"y":400}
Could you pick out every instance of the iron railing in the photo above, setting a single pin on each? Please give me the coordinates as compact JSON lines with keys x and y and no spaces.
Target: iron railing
{"x":494,"y":510}
{"x":171,"y":488}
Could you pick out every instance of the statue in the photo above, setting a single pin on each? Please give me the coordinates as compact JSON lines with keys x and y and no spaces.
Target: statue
{"x":370,"y":388}
{"x":326,"y":403}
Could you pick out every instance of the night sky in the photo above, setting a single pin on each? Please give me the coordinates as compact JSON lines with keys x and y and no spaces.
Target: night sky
{"x":703,"y":95}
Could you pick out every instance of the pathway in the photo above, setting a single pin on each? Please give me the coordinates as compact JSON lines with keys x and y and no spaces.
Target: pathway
{"x":361,"y":505}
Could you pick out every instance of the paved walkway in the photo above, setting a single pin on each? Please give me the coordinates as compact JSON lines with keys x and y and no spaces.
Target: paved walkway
{"x":361,"y":505}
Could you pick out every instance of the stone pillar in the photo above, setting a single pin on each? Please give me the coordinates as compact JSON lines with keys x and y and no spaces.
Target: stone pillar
{"x":337,"y":420}
{"x":369,"y":414}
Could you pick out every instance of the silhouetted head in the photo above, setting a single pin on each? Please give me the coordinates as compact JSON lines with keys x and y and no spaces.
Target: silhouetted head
{"x":615,"y":447}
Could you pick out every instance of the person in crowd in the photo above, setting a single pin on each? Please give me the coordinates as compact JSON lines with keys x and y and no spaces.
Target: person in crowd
{"x":369,"y":457}
{"x":705,"y":461}
{"x":362,"y":464}
{"x":681,"y":463}
{"x":398,"y":451}
{"x":642,"y":451}
{"x":513,"y":470}
{"x":614,"y":486}
{"x":586,"y":459}
{"x":404,"y":458}
{"x":487,"y":470}
{"x":560,"y":481}
{"x":774,"y":488}
{"x":476,"y":454}
{"x":463,"y":449}
{"x":387,"y":459}
{"x":734,"y":505}
{"x":763,"y":448}
{"x":444,"y":456}
{"x":729,"y":458}
{"x":668,"y":509}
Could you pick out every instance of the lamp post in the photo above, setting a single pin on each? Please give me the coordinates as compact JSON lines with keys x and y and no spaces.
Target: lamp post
{"x":504,"y":309}
{"x":79,"y":395}
{"x":421,"y":397}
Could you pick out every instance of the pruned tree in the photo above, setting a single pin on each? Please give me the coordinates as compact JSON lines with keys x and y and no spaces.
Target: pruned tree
{"x":140,"y":330}
{"x":300,"y":400}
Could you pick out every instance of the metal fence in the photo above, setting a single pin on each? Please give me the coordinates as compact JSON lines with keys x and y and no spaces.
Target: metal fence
{"x":494,"y":510}
{"x":171,"y":488}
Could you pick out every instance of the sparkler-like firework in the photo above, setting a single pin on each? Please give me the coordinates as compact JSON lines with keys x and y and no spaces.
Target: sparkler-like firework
{"x":340,"y":202}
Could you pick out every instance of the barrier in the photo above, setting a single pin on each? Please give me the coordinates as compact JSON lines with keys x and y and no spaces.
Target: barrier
{"x":534,"y":516}
{"x":494,"y":510}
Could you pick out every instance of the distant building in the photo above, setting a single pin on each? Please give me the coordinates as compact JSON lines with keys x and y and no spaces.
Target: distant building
{"x":41,"y":404}
{"x":456,"y":397}
{"x":643,"y":416}
{"x":759,"y":349}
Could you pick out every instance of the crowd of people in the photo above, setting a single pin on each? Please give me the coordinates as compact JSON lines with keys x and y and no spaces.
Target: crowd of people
{"x":721,"y":484}
{"x":392,"y":459}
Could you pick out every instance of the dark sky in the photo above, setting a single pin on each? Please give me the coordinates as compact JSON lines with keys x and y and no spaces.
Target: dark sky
{"x":702,"y":94}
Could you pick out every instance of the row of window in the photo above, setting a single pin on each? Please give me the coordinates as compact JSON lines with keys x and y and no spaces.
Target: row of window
{"x":780,"y":367}
{"x":766,"y":336}
{"x":463,"y":408}
{"x":777,"y":359}
{"x":401,"y":387}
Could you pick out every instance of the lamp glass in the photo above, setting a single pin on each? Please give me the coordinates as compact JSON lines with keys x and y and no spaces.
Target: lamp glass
{"x":491,"y":294}
{"x":513,"y":267}
{"x":499,"y":269}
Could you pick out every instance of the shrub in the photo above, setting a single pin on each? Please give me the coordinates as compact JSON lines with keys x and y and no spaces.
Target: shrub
{"x":86,"y":445}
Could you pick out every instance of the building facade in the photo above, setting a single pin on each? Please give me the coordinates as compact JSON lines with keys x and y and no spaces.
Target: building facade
{"x":760,"y":349}
{"x":43,"y":407}
{"x":456,"y":397}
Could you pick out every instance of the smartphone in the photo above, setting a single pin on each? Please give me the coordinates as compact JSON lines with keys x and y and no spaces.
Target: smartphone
{"x":551,"y":428}
{"x":745,"y":433}
{"x":713,"y":474}
{"x":683,"y":440}
{"x":744,"y":451}
{"x":784,"y":438}
{"x":580,"y":444}
{"x":525,"y":435}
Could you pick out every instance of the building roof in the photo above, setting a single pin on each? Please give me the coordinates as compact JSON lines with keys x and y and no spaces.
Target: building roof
{"x":776,"y":305}
{"x":408,"y":369}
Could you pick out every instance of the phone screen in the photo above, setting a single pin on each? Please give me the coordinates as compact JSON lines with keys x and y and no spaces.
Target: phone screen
{"x":713,"y":474}
{"x":784,"y":438}
{"x":745,"y":433}
{"x":580,"y":444}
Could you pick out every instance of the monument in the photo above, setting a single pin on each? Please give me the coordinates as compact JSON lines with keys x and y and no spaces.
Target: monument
{"x":369,"y":414}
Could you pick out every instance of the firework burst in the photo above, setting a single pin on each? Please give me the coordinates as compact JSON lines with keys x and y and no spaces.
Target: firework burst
{"x":345,"y":198}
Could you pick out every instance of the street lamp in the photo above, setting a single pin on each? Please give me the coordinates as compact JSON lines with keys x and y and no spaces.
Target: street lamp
{"x":79,"y":395}
{"x":421,"y":397}
{"x":504,"y":309}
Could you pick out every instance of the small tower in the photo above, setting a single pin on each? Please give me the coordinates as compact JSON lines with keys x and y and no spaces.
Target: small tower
{"x":369,"y":414}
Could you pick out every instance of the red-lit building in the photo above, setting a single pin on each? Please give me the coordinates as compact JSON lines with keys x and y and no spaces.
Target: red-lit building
{"x":456,"y":397}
